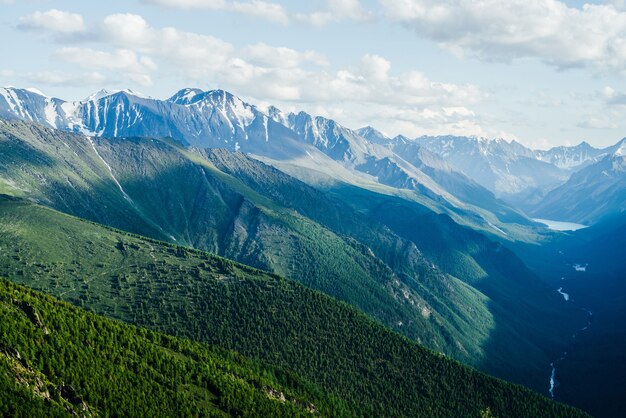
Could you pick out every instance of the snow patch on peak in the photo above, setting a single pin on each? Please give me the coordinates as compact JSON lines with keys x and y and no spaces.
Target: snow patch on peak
{"x":621,"y":150}
{"x":36,"y":91}
{"x":185,"y":96}
{"x":99,"y":95}
{"x":51,"y":113}
{"x":106,"y":93}
{"x":373,"y":135}
{"x":277,"y":115}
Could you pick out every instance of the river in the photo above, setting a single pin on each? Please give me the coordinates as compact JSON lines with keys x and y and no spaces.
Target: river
{"x":553,"y":382}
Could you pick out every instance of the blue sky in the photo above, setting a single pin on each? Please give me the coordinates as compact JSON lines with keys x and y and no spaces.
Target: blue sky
{"x":544,"y":72}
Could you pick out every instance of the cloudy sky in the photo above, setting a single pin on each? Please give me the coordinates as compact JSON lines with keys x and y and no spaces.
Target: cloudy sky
{"x":544,"y":72}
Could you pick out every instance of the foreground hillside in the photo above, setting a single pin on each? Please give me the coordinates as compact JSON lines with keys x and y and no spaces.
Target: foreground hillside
{"x":57,"y":360}
{"x":206,"y":298}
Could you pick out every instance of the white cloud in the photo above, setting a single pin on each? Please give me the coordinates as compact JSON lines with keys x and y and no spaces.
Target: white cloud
{"x":613,"y":97}
{"x":336,"y":11}
{"x":65,"y":79}
{"x":189,"y":52}
{"x":287,"y":75}
{"x":128,"y":50}
{"x":597,"y":123}
{"x":333,"y":11}
{"x":123,"y":61}
{"x":270,"y":11}
{"x":549,"y":30}
{"x":53,"y":20}
{"x":375,"y":67}
{"x":270,"y":56}
{"x":618,"y":4}
{"x":190,"y":4}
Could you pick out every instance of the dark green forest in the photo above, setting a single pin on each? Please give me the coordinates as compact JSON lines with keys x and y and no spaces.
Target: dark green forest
{"x":58,"y":360}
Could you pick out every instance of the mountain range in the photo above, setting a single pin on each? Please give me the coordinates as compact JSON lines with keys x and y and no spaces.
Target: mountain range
{"x":481,"y":183}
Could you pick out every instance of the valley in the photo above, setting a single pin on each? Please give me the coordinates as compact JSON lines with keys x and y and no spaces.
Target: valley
{"x":588,"y":266}
{"x":359,"y":366}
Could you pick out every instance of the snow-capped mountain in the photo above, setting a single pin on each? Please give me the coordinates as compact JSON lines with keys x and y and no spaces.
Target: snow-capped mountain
{"x":570,"y":158}
{"x":505,"y":168}
{"x":31,"y":104}
{"x":373,"y":135}
{"x":210,"y":119}
{"x":336,"y":141}
{"x":596,"y":191}
{"x":398,"y":162}
{"x":513,"y":172}
{"x":214,"y":119}
{"x":299,"y":143}
{"x":453,"y":181}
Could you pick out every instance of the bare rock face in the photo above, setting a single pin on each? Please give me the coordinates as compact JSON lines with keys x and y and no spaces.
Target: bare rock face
{"x":32,"y":315}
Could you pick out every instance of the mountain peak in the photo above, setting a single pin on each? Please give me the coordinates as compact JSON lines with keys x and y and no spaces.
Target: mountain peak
{"x":219,"y":98}
{"x":277,"y":115}
{"x":36,"y":91}
{"x":106,"y":93}
{"x":184,"y":96}
{"x":373,"y":135}
{"x":621,"y":148}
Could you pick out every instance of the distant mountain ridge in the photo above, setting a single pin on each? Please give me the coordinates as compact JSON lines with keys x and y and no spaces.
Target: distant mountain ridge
{"x":218,"y":119}
{"x":463,"y":176}
{"x":594,"y":192}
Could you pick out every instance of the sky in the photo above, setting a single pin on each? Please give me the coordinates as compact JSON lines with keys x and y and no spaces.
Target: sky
{"x":543,"y":72}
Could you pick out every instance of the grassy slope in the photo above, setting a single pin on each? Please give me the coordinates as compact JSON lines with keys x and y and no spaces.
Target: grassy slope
{"x":58,"y":360}
{"x":207,"y":298}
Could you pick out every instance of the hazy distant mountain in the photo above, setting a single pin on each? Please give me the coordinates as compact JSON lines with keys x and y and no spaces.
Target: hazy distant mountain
{"x":591,"y":193}
{"x":460,"y":175}
{"x":454,"y":181}
{"x":505,"y":168}
{"x":373,"y":135}
{"x":570,"y":158}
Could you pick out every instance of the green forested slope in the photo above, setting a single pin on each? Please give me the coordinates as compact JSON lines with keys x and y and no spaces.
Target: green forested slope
{"x":205,"y":298}
{"x":529,"y":322}
{"x":57,"y":360}
{"x":157,"y":188}
{"x":532,"y":321}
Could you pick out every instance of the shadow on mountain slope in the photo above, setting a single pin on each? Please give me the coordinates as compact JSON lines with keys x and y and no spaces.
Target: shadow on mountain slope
{"x":532,"y":323}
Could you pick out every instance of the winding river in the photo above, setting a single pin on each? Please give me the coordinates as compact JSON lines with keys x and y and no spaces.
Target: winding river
{"x":553,"y":382}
